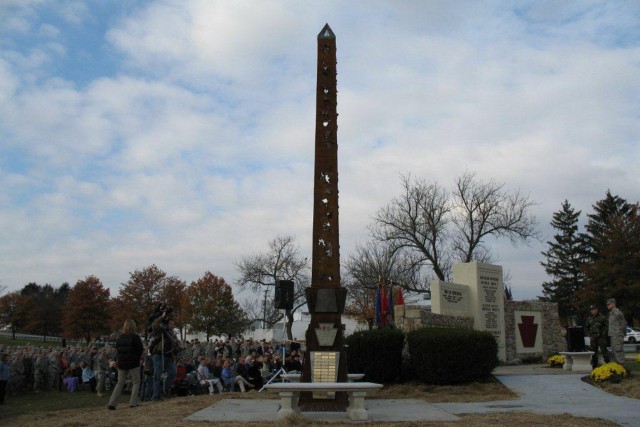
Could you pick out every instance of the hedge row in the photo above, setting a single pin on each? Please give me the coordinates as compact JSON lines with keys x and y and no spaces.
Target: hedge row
{"x":376,"y":353}
{"x":438,"y":355}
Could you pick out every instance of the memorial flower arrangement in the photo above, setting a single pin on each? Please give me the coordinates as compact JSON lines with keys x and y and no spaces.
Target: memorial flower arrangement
{"x":609,"y":372}
{"x":638,"y":358}
{"x":555,"y":361}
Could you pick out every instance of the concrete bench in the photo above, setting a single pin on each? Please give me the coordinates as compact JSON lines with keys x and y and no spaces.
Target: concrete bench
{"x":296,"y":377}
{"x":577,"y":360}
{"x":290,"y":392}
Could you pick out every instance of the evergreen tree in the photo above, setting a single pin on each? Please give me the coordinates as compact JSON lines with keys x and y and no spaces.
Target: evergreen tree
{"x":564,"y":262}
{"x":599,"y":222}
{"x":616,"y":269}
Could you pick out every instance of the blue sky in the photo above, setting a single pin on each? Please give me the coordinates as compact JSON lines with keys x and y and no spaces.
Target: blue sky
{"x":180,"y":133}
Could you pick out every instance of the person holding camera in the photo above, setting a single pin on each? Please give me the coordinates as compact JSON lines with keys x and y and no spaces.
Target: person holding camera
{"x":164,"y":347}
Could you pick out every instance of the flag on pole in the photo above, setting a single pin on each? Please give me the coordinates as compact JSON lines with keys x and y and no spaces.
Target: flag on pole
{"x":377,"y":307}
{"x":400,"y":298}
{"x":384,"y":306}
{"x":391,"y":310}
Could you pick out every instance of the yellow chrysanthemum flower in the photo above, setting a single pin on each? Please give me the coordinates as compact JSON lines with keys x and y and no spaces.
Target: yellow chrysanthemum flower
{"x":604,"y":372}
{"x":557,"y":360}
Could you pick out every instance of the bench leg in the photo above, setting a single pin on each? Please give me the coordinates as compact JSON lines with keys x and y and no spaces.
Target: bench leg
{"x":288,"y":404}
{"x":568,"y":363}
{"x":356,"y":410}
{"x":581,"y":363}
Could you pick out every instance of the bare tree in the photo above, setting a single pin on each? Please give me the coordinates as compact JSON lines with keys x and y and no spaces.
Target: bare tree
{"x":485,"y":209}
{"x":254,"y":308}
{"x":375,"y":262}
{"x":281,"y":261}
{"x":439,"y":227}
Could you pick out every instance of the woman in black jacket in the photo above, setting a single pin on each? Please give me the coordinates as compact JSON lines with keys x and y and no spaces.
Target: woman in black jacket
{"x":129,"y":351}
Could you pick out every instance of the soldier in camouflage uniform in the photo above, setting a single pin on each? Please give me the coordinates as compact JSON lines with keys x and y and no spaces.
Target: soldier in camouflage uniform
{"x":101,"y":368}
{"x":616,"y":331}
{"x":41,"y":371}
{"x":195,"y":350}
{"x":596,"y":327}
{"x":55,"y":371}
{"x":16,"y":374}
{"x":26,"y":371}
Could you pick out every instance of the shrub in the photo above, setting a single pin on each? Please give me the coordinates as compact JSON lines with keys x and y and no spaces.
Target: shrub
{"x":609,"y":372}
{"x":452,"y":356}
{"x":376,"y":353}
{"x":555,"y":361}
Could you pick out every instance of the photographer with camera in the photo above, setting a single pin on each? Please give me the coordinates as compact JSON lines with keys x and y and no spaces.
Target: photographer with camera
{"x":164,"y":347}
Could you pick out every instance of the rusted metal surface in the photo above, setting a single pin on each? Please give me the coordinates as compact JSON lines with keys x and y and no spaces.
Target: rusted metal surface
{"x":325,"y":297}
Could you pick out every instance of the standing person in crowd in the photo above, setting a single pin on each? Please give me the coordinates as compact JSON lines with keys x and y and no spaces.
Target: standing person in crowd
{"x":617,"y":330}
{"x":129,"y":351}
{"x":146,"y":391}
{"x":597,"y":330}
{"x":41,"y":371}
{"x":164,"y":348}
{"x":101,"y":370}
{"x":4,"y":376}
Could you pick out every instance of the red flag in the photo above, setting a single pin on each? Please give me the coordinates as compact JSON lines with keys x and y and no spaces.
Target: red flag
{"x":384,"y":306}
{"x":399,"y":298}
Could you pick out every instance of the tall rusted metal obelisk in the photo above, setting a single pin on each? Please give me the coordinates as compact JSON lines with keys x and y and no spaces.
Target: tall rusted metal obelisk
{"x":325,"y":359}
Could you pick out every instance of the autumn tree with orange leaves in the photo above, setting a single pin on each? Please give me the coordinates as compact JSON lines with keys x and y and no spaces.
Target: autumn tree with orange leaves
{"x":86,"y":313}
{"x":173,"y":294}
{"x":141,"y":295}
{"x":213,"y":309}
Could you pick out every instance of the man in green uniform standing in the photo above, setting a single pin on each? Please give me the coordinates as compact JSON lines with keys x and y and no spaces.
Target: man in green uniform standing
{"x":596,"y":327}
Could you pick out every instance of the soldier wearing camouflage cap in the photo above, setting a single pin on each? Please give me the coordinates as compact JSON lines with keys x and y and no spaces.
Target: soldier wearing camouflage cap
{"x":616,"y":331}
{"x":596,"y":328}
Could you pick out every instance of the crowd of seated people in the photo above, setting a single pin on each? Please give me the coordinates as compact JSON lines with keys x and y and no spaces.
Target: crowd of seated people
{"x":219,"y":365}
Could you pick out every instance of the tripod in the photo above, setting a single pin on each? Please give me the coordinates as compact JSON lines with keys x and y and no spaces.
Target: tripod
{"x":274,"y":377}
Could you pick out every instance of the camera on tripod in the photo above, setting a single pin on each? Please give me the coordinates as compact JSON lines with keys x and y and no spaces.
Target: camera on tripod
{"x":158,"y":312}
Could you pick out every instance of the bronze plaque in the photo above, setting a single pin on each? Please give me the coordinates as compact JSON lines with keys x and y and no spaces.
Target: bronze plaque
{"x":324,"y":369}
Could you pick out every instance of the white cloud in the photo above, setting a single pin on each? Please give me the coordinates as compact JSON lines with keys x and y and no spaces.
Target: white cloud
{"x":198,"y":147}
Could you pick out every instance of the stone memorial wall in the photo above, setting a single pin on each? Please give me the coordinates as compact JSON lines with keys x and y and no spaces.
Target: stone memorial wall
{"x":532,"y":330}
{"x":449,"y":298}
{"x":412,"y":317}
{"x":476,"y":300}
{"x":486,"y":298}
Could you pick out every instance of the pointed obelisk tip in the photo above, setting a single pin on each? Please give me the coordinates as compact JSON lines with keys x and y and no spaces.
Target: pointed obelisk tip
{"x":326,"y":33}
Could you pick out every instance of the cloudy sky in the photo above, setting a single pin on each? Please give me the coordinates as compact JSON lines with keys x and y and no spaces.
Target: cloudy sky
{"x":180,"y":133}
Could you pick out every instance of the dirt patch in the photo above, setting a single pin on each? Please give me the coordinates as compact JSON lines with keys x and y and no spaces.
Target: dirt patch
{"x":474,"y":392}
{"x":628,"y":387}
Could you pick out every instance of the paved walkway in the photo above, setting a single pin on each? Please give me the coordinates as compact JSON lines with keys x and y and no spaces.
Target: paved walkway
{"x":540,"y":390}
{"x":556,"y":394}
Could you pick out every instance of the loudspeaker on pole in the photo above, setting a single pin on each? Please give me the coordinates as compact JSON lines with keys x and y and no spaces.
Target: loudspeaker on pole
{"x":283,"y":299}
